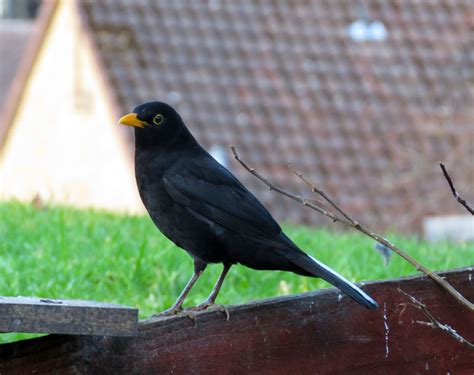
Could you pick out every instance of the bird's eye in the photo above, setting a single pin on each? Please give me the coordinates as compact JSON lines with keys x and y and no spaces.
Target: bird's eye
{"x":158,"y":119}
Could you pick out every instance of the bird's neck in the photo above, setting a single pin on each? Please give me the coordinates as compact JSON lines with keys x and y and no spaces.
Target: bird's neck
{"x":165,"y":142}
{"x":160,"y":155}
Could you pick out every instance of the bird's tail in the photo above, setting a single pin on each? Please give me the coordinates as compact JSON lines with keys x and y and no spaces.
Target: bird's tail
{"x":318,"y":269}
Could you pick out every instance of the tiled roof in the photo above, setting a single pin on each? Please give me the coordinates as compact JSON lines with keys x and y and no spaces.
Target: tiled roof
{"x":364,"y":97}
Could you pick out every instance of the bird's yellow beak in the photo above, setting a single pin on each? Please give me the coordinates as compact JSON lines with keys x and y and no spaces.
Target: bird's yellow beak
{"x":131,"y":120}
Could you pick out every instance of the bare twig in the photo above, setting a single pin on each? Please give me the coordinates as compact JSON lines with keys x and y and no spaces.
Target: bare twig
{"x":305,"y":202}
{"x":453,"y":189}
{"x":322,"y":194}
{"x":434,"y":323}
{"x":347,"y":220}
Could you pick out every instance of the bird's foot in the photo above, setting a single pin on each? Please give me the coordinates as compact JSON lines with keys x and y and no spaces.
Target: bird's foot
{"x":210,"y":304}
{"x":176,"y":310}
{"x":173,"y":310}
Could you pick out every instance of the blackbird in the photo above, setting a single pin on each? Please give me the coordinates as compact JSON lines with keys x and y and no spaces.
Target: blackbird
{"x":202,"y":207}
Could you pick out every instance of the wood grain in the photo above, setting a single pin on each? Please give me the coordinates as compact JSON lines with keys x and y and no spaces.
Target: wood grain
{"x":40,"y":315}
{"x":312,"y":333}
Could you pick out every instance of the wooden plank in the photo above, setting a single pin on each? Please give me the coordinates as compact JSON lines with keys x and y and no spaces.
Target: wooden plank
{"x":316,"y":332}
{"x":40,"y":315}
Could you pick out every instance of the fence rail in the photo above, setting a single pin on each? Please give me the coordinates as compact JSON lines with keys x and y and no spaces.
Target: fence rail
{"x":317,"y":332}
{"x":76,"y":317}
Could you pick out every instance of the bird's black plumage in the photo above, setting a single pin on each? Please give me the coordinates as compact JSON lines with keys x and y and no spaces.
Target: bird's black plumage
{"x":200,"y":206}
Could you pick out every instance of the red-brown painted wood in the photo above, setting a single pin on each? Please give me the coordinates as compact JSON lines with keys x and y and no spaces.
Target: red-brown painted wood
{"x":312,"y":333}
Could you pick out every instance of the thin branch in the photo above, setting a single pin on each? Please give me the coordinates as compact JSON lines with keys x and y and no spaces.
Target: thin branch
{"x":347,"y":220}
{"x":305,"y":202}
{"x":434,"y":323}
{"x":321,"y":193}
{"x":453,"y":190}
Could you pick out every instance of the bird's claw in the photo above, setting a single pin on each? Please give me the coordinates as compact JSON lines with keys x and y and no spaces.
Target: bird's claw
{"x":173,"y":310}
{"x":209,"y":304}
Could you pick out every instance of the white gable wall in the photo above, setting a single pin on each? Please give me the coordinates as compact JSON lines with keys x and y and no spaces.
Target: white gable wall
{"x":63,"y":144}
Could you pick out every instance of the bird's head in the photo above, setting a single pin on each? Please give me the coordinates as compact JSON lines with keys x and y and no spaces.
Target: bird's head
{"x":157,"y":124}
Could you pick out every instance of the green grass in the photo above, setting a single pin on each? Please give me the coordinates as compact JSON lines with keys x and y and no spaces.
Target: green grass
{"x":59,"y":252}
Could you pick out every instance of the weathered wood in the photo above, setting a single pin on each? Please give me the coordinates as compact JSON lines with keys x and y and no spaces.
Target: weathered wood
{"x":312,"y":333}
{"x":41,"y":315}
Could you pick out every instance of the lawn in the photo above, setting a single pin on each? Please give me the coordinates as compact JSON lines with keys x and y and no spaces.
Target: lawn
{"x":59,"y":252}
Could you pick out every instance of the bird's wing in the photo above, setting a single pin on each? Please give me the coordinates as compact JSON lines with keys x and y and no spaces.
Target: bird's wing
{"x":213,"y":194}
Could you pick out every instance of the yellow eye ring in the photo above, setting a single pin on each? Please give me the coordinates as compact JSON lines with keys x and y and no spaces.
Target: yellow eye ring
{"x":158,"y":119}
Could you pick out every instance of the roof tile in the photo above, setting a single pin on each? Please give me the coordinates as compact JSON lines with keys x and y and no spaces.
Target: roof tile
{"x":283,"y":81}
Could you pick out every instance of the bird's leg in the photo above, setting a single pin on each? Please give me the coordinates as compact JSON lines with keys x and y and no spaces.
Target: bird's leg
{"x":215,"y":291}
{"x":210,"y":301}
{"x":178,"y":305}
